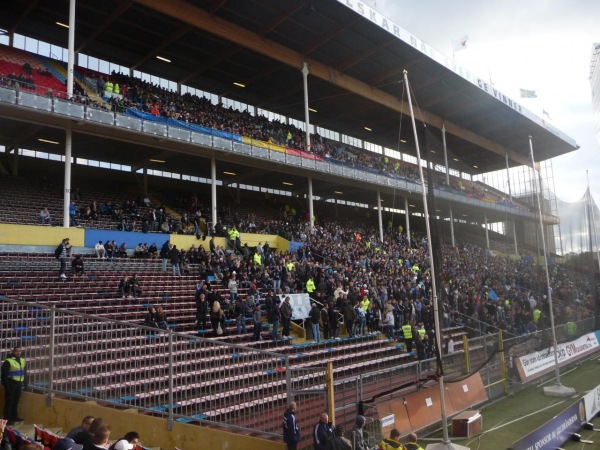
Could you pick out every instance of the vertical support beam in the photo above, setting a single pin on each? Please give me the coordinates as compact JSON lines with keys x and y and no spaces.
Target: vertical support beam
{"x":379,"y":218}
{"x":466,"y":354}
{"x":67,"y":191}
{"x":171,"y":376}
{"x":145,"y":180}
{"x":407,"y":217}
{"x":71,"y":61}
{"x":213,"y":190}
{"x":448,"y":181}
{"x":514,"y":227}
{"x":503,"y":360}
{"x":15,"y":161}
{"x":330,"y":393}
{"x":487,"y":235}
{"x":51,"y":355}
{"x":310,"y":204}
{"x":306,"y":116}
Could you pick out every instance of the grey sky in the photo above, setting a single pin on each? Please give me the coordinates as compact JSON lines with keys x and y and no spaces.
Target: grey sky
{"x":543,"y":45}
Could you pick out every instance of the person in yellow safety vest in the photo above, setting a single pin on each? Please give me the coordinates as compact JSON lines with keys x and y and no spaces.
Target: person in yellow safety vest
{"x":391,"y":443}
{"x":412,"y":443}
{"x":416,"y":269}
{"x":396,"y":165}
{"x":421,"y":330}
{"x":571,"y":329}
{"x":116,"y":88}
{"x":108,"y":86}
{"x":536,"y":315}
{"x":365,"y":302}
{"x":310,"y":286}
{"x":408,"y":335}
{"x":289,"y":138}
{"x":290,"y":266}
{"x":258,"y":258}
{"x":368,"y":244}
{"x":14,"y":380}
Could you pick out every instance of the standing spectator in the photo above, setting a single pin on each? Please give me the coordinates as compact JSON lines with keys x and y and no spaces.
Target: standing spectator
{"x":73,"y":214}
{"x":257,"y":318}
{"x":388,"y":321}
{"x":338,"y":441}
{"x":165,"y":254}
{"x":62,"y":254}
{"x":450,"y":345}
{"x":175,"y":257}
{"x":322,"y":432}
{"x":393,"y":442}
{"x":201,"y":309}
{"x":420,"y":347}
{"x":291,"y":430}
{"x":100,"y":250}
{"x":358,"y":438}
{"x":315,"y":318}
{"x":412,"y":442}
{"x":325,"y":320}
{"x":240,"y":311}
{"x":275,"y":317}
{"x":286,"y":317}
{"x":14,"y":380}
{"x":233,"y":288}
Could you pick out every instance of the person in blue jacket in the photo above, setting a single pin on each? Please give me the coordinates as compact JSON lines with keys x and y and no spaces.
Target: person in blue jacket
{"x":291,"y":430}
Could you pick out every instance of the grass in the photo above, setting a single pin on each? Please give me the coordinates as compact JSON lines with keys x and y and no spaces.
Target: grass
{"x":507,"y":420}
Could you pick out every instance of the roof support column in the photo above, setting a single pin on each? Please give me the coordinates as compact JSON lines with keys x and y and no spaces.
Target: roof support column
{"x":514,"y":228}
{"x":407,"y":217}
{"x":71,"y":62}
{"x":487,"y":235}
{"x":379,"y":218}
{"x":306,"y":116}
{"x":145,"y":180}
{"x":310,"y":204}
{"x":67,"y":191}
{"x":213,"y":190}
{"x":448,"y":181}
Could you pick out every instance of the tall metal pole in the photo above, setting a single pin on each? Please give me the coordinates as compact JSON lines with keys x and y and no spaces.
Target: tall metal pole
{"x":448,"y":181}
{"x":67,"y":191}
{"x":438,"y":338}
{"x":407,"y":216}
{"x":213,"y":190}
{"x":558,"y":390}
{"x":311,"y":210}
{"x":379,"y":218}
{"x":71,"y":50}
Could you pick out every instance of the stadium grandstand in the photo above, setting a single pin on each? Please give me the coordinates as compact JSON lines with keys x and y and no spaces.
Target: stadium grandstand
{"x":210,"y":158}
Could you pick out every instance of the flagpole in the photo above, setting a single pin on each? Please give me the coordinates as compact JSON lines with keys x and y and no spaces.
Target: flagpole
{"x":445,"y":444}
{"x":557,"y":390}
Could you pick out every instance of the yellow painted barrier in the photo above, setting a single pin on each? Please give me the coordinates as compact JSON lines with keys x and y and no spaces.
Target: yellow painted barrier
{"x":40,"y":235}
{"x":67,"y":414}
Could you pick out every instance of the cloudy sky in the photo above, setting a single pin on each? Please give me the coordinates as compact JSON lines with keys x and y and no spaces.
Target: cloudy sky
{"x":542,"y":45}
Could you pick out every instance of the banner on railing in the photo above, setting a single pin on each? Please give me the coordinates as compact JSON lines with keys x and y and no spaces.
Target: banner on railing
{"x":537,"y":363}
{"x":300,"y":305}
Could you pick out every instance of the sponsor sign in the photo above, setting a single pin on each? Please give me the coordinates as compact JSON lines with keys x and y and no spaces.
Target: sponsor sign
{"x":556,"y":431}
{"x":592,"y":403}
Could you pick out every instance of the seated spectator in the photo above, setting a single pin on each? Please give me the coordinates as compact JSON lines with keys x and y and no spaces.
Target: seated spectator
{"x":122,"y":252}
{"x":85,"y":426}
{"x":110,"y":249}
{"x":100,"y":250}
{"x":100,"y":440}
{"x":161,"y":318}
{"x":84,"y":437}
{"x":127,"y":442}
{"x":139,"y":251}
{"x":124,"y":287}
{"x":45,"y":218}
{"x":65,"y":443}
{"x":134,"y":286}
{"x":77,"y":266}
{"x":153,"y":251}
{"x":150,"y":319}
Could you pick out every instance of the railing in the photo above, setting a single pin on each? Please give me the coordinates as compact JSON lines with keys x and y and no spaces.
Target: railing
{"x":177,"y":376}
{"x":38,"y":98}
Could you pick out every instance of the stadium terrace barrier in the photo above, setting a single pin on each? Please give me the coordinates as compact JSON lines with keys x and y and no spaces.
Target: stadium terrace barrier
{"x":39,"y":98}
{"x":180,"y":377}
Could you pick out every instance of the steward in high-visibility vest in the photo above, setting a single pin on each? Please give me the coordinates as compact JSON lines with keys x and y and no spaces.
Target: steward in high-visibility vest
{"x":310,"y":286}
{"x":14,"y":379}
{"x":408,"y":335}
{"x":116,"y":88}
{"x":536,"y":315}
{"x":258,"y":258}
{"x":108,"y":86}
{"x":571,"y":329}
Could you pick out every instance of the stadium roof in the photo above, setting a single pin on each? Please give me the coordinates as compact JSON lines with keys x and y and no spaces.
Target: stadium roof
{"x":356,"y":58}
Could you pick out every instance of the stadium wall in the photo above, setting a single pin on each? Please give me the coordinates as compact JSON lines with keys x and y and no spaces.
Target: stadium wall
{"x":44,"y":238}
{"x":67,"y":414}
